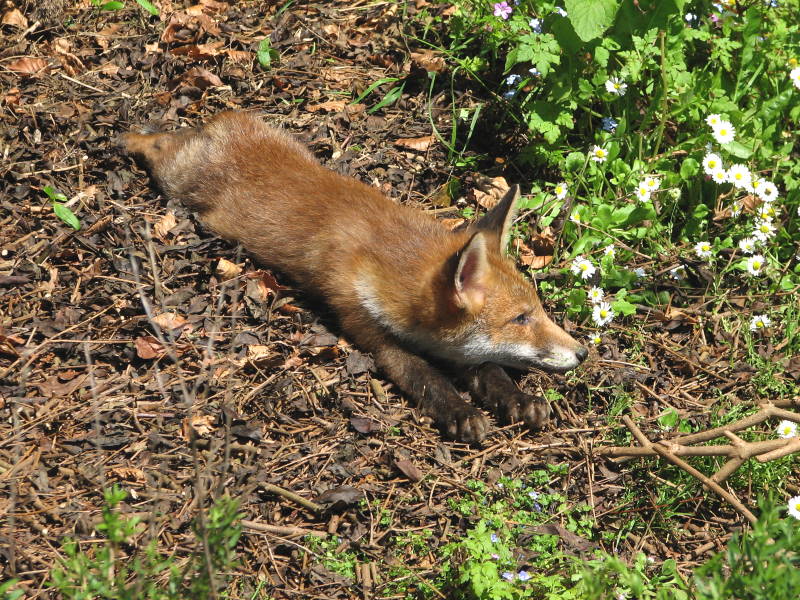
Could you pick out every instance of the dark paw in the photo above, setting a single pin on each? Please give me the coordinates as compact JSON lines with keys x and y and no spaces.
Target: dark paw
{"x":519,"y":407}
{"x":466,"y":423}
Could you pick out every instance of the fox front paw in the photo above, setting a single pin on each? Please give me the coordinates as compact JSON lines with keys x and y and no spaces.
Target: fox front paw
{"x":466,"y":423}
{"x":520,"y":407}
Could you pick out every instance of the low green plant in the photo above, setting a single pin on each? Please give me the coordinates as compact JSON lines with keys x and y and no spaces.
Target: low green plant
{"x":60,"y":209}
{"x":116,"y":5}
{"x":116,"y":569}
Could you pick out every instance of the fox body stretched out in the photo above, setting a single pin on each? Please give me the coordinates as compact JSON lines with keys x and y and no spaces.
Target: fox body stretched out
{"x":402,"y":286}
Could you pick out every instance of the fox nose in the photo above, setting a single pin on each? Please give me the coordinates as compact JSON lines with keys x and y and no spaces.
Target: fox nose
{"x":582,"y":353}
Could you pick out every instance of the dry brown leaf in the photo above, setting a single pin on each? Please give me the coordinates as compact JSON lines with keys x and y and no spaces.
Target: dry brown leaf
{"x":14,"y":18}
{"x":128,"y":473}
{"x":530,"y":257}
{"x":239,"y":56}
{"x":227,"y":270}
{"x":197,"y":77}
{"x":197,"y":426}
{"x":148,"y":347}
{"x":329,"y":106}
{"x":54,"y":387}
{"x":490,"y":191}
{"x":262,"y":356}
{"x":12,"y":97}
{"x":167,"y":222}
{"x":199,"y":51}
{"x":28,"y":65}
{"x":429,"y":60}
{"x":106,"y":35}
{"x":266,"y":282}
{"x":169,"y":320}
{"x":420,"y":143}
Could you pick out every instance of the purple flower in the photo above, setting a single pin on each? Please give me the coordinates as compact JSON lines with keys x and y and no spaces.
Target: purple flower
{"x":535,"y":25}
{"x":494,"y":538}
{"x":502,"y":10}
{"x":523,"y":575}
{"x":608,"y":124}
{"x":495,"y":556}
{"x":508,"y":576}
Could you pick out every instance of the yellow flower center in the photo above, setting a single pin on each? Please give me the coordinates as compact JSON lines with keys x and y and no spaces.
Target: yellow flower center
{"x":797,"y":506}
{"x":723,"y":131}
{"x":712,"y":164}
{"x":603,"y":313}
{"x":584,"y":267}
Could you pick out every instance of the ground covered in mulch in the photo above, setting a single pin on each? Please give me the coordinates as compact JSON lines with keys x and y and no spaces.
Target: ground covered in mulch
{"x":92,"y":392}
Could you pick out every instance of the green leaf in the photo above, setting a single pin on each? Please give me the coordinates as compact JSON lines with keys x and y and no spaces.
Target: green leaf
{"x":373,"y":86}
{"x":264,"y":53}
{"x":53,"y":194}
{"x":601,"y":56}
{"x":574,"y":162}
{"x":590,"y":18}
{"x":689,"y":168}
{"x":623,"y":307}
{"x":112,"y":6}
{"x":738,"y":149}
{"x":148,"y":7}
{"x":66,"y":215}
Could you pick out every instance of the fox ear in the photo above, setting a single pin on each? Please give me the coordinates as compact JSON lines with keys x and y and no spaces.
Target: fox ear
{"x":470,"y":274}
{"x":498,"y":221}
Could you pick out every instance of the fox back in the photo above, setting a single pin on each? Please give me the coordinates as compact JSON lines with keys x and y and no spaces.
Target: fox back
{"x":392,"y":274}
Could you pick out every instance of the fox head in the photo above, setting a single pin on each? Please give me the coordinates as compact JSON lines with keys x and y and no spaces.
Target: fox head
{"x":495,"y":314}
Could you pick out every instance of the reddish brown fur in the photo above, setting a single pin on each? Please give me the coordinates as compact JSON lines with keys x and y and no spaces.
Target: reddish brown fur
{"x":347,"y":243}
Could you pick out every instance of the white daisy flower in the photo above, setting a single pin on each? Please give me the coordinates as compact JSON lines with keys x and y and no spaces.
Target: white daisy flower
{"x":575,"y":217}
{"x":724,"y":132}
{"x":616,"y":86}
{"x":609,"y":250}
{"x":787,"y":429}
{"x":767,"y":212}
{"x":599,"y":154}
{"x":583,"y":267}
{"x":759,"y":322}
{"x":711,"y":162}
{"x":767,"y":191}
{"x":642,"y":194}
{"x":703,"y":249}
{"x":596,"y":295}
{"x":713,"y":120}
{"x":678,"y":273}
{"x":651,"y":183}
{"x":736,"y":208}
{"x":764,"y":230}
{"x":754,"y":264}
{"x":739,"y":176}
{"x":794,"y":75}
{"x":595,"y":339}
{"x":602,"y":314}
{"x":747,"y":245}
{"x":719,"y":175}
{"x":794,"y":503}
{"x":560,"y":190}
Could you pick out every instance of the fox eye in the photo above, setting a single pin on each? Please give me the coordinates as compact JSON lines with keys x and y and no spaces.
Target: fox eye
{"x":521,"y":319}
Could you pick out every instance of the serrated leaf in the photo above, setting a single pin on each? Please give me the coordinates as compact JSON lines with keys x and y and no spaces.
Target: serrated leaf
{"x":66,"y":215}
{"x":623,"y":307}
{"x":148,"y":7}
{"x":590,"y":18}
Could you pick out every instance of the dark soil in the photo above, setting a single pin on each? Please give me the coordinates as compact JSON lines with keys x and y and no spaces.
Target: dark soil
{"x":238,"y":366}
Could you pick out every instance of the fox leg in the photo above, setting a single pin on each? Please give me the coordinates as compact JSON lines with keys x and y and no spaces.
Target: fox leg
{"x":435,"y":395}
{"x":491,"y":385}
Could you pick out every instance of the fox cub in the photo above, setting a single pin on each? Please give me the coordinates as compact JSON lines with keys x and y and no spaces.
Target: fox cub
{"x":402,"y":286}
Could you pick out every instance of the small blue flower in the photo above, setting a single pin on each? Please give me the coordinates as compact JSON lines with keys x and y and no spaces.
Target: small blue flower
{"x":513,"y":79}
{"x":494,"y":538}
{"x":533,"y":494}
{"x":534,"y":71}
{"x":536,"y":25}
{"x":509,"y":94}
{"x":508,"y":576}
{"x":523,"y":575}
{"x":560,"y":11}
{"x":771,"y":3}
{"x":608,"y":124}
